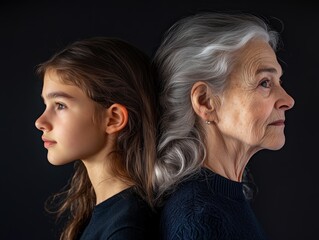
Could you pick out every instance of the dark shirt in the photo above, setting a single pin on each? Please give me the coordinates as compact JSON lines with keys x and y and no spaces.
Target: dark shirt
{"x":209,"y":206}
{"x":123,"y":216}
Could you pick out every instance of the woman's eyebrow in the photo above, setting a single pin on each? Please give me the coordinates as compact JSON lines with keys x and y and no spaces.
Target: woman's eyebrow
{"x":268,"y":70}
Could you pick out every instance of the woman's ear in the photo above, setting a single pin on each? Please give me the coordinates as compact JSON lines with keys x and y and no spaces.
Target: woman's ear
{"x":116,"y":118}
{"x":203,"y":101}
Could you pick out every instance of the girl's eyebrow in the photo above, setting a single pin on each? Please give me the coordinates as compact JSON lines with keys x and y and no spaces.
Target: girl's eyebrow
{"x":58,"y":94}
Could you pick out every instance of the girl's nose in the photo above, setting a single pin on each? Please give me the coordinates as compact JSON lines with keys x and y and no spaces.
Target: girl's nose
{"x":42,"y":124}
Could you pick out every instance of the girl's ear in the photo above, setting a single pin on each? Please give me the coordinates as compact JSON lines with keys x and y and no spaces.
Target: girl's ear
{"x":203,"y":101}
{"x":116,"y":118}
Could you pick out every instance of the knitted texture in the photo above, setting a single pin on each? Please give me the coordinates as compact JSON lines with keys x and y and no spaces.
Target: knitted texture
{"x":209,"y":206}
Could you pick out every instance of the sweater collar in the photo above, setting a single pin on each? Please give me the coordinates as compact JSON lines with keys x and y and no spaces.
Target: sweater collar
{"x":221,"y":185}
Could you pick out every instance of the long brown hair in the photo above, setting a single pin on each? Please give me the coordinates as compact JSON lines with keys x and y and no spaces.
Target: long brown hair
{"x":110,"y":71}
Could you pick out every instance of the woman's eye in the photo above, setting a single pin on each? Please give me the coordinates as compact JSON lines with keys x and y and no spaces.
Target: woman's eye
{"x":280,"y":82}
{"x":265,"y":83}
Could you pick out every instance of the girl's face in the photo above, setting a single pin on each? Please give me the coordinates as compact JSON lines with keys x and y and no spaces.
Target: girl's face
{"x":71,"y":130}
{"x":252,"y":110}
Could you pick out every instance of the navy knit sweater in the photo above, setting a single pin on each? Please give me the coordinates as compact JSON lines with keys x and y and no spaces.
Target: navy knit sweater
{"x":209,"y":206}
{"x":124,"y":216}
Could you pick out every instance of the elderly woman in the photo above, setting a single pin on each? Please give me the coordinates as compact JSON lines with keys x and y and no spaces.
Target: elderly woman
{"x":221,"y":101}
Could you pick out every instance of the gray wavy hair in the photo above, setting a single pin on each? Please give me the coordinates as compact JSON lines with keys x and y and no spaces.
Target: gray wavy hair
{"x":198,"y":47}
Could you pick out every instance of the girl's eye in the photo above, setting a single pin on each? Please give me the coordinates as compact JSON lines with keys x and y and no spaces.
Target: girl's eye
{"x":60,"y":106}
{"x":265,"y":83}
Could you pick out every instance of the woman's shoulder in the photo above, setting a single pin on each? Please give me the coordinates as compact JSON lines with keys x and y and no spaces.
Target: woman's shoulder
{"x":189,"y":212}
{"x":204,"y":191}
{"x":192,"y":185}
{"x":190,"y":193}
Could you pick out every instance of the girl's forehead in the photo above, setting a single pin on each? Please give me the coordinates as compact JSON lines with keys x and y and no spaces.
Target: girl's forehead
{"x":54,"y":86}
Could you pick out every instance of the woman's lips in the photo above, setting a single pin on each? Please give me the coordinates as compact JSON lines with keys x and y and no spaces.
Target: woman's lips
{"x":278,"y":123}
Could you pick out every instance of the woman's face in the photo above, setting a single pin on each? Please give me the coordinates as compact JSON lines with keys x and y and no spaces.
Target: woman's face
{"x":70,"y":130}
{"x":252,"y":109}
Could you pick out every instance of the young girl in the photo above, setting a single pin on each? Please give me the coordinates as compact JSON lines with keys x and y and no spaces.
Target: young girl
{"x":100,"y":113}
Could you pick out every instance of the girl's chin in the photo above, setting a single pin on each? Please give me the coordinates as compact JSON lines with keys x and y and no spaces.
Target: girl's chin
{"x":57,"y":161}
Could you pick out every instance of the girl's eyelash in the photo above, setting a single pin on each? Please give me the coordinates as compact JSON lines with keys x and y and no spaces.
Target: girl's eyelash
{"x":60,"y":106}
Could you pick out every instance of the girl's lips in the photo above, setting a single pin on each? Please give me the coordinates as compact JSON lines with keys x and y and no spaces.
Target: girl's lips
{"x":48,"y":144}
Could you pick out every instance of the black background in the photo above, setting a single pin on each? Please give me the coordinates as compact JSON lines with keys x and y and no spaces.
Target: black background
{"x":287,"y":202}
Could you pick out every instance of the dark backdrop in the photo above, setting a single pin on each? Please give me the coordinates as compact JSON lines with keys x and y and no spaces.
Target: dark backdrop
{"x":287,"y":203}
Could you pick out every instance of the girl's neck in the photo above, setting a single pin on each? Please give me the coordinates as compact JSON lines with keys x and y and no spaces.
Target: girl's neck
{"x":104,"y":182}
{"x":108,"y":187}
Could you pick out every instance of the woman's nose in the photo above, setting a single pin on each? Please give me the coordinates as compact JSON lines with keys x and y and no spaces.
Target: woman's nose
{"x":286,"y":102}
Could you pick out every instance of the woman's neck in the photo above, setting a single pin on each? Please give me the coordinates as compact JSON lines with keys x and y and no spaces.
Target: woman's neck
{"x":226,"y":157}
